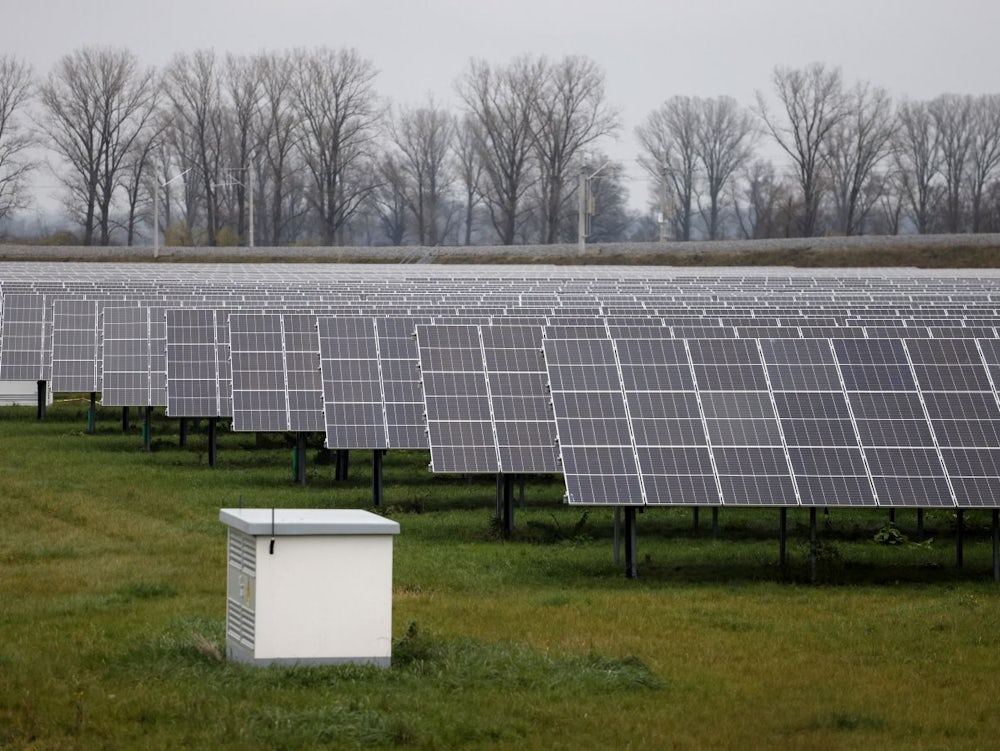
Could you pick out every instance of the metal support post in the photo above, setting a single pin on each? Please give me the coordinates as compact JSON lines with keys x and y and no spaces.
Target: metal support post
{"x":42,"y":393}
{"x":782,"y":537}
{"x":631,"y":542}
{"x":508,"y":506}
{"x":300,"y":458}
{"x":617,"y":535}
{"x":996,"y":546}
{"x":812,"y":544}
{"x":147,"y":440}
{"x":212,"y":447}
{"x":377,"y":456}
{"x":959,"y":538}
{"x":343,"y":461}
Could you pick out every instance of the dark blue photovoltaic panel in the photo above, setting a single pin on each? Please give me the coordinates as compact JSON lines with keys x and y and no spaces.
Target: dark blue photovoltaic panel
{"x":303,"y":373}
{"x":260,"y":390}
{"x":874,"y":365}
{"x":75,"y":346}
{"x":897,"y":442}
{"x":456,"y":397}
{"x":198,"y":380}
{"x":24,"y":338}
{"x":964,"y":415}
{"x":604,"y":473}
{"x":816,"y":423}
{"x":404,"y":399}
{"x":277,"y":382}
{"x":134,"y":357}
{"x":741,"y":423}
{"x":948,"y":365}
{"x":353,"y":401}
{"x":674,"y":457}
{"x":519,"y":399}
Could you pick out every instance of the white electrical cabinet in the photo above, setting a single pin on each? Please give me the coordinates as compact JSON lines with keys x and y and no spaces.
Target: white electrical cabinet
{"x":309,"y":586}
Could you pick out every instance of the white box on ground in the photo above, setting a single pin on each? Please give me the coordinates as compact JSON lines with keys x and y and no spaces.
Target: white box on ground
{"x":309,"y":586}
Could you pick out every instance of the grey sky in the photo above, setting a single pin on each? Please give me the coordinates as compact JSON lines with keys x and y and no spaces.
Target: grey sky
{"x":649,"y":49}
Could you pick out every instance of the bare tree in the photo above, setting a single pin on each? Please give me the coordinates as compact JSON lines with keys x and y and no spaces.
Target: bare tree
{"x":194,"y":87}
{"x":889,"y":201}
{"x":390,"y":200}
{"x":917,"y":159}
{"x":242,"y":83}
{"x":278,"y":138}
{"x":953,"y":119}
{"x":812,"y":103}
{"x":763,"y":203}
{"x":725,"y":136}
{"x":502,"y":103}
{"x":423,"y":137}
{"x":336,"y":102}
{"x":469,"y":166}
{"x":669,"y":141}
{"x":135,"y":180}
{"x":570,"y":114}
{"x":984,"y":154}
{"x":176,"y":149}
{"x":99,"y":102}
{"x":855,"y":146}
{"x":16,"y":82}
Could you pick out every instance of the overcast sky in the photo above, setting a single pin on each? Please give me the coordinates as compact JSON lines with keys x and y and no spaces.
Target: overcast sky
{"x":649,"y":49}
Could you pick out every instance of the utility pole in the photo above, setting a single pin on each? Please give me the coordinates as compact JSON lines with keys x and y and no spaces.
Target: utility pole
{"x":250,"y":188}
{"x":663,"y":200}
{"x":585,"y":209}
{"x":581,"y":227}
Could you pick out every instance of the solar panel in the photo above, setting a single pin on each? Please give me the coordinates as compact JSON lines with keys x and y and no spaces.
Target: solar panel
{"x":196,"y":373}
{"x":741,"y":422}
{"x":75,"y":346}
{"x":128,"y":370}
{"x":816,"y":423}
{"x":303,"y":374}
{"x":905,"y":465}
{"x":595,"y":444}
{"x":404,"y":401}
{"x":671,"y":444}
{"x":24,"y":338}
{"x":353,"y":400}
{"x":519,"y":399}
{"x":456,"y":397}
{"x":961,"y":405}
{"x":260,"y":388}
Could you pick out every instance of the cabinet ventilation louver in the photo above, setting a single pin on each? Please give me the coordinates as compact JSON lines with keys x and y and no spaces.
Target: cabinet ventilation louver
{"x":240,"y":616}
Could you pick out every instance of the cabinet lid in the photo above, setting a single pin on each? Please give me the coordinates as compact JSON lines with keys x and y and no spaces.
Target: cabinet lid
{"x":289,"y":521}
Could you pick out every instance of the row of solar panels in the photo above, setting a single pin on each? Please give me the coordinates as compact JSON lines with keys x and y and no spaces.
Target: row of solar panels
{"x":609,"y":405}
{"x":639,"y":418}
{"x":60,"y":340}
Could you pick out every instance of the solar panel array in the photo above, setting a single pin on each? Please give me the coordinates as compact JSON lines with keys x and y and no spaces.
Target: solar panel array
{"x":76,"y":360}
{"x":276,"y":382}
{"x":642,"y":385}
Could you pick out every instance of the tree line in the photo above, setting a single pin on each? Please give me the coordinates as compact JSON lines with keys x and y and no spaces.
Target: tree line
{"x":294,"y":147}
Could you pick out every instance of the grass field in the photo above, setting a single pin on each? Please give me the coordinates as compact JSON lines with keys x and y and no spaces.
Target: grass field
{"x":112,"y":588}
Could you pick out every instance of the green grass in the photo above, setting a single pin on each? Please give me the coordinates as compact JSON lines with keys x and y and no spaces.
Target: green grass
{"x":112,"y":587}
